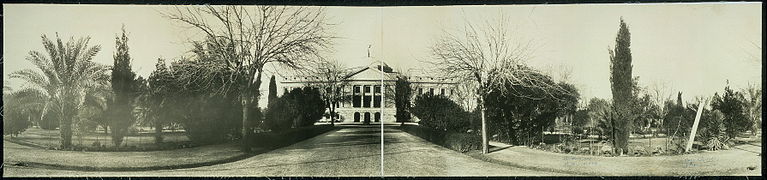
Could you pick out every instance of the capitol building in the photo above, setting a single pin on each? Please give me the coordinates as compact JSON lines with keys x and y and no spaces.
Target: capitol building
{"x":363,"y":85}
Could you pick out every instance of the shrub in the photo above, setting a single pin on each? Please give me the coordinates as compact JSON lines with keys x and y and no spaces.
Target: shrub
{"x":520,"y":115}
{"x":15,"y":117}
{"x":276,"y":139}
{"x":713,"y":131}
{"x":678,"y":120}
{"x":280,"y":115}
{"x":461,"y":142}
{"x":428,"y":134}
{"x":213,"y":119}
{"x":297,"y":108}
{"x":50,"y":121}
{"x":14,"y":121}
{"x":193,"y":94}
{"x":440,"y":113}
{"x":308,"y":104}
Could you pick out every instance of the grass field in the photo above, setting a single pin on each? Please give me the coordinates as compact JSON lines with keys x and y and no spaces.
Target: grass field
{"x":143,"y":140}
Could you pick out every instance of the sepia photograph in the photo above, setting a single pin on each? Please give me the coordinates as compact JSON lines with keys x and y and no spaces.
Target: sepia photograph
{"x":505,"y":90}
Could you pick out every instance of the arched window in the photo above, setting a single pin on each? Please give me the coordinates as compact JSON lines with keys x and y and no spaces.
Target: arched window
{"x":356,"y":116}
{"x":377,"y":116}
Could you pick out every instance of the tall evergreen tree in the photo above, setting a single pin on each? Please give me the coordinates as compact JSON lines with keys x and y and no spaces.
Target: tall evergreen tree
{"x":622,"y":87}
{"x":731,"y":104}
{"x":123,"y":82}
{"x":272,"y":90}
{"x":160,"y":89}
{"x":402,"y":94}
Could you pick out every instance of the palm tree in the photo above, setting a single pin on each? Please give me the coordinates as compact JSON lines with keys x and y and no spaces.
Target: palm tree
{"x":64,"y":78}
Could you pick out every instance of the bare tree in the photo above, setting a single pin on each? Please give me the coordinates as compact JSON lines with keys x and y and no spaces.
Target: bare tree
{"x":660,"y":93}
{"x":245,"y":39}
{"x":466,"y":95}
{"x":332,"y":78}
{"x":489,"y":58}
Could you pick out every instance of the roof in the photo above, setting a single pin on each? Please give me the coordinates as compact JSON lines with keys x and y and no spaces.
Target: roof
{"x":371,"y":72}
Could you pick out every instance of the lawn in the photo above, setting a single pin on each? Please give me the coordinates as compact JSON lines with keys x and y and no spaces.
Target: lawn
{"x":141,"y":141}
{"x":18,"y":155}
{"x":639,"y":145}
{"x":142,"y":159}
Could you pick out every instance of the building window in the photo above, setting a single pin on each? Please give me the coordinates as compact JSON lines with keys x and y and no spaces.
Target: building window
{"x":442,"y":92}
{"x":431,"y":91}
{"x":420,"y":90}
{"x":366,"y":98}
{"x":377,"y":96}
{"x":357,"y":97}
{"x":377,"y":117}
{"x":377,"y":101}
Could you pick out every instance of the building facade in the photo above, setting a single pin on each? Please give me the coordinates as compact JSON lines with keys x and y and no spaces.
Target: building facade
{"x":363,"y":87}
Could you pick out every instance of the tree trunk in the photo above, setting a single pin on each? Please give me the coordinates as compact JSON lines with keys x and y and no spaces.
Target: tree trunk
{"x":560,"y":137}
{"x":484,"y":128}
{"x":510,"y":132}
{"x":157,"y":131}
{"x":471,"y":122}
{"x":245,"y":125}
{"x":612,"y":134}
{"x":332,"y":114}
{"x":248,"y":101}
{"x":66,"y":130}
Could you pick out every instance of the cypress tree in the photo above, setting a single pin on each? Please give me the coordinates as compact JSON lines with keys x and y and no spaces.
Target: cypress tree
{"x":123,"y":87}
{"x":402,"y":95}
{"x":622,"y":87}
{"x":272,"y":90}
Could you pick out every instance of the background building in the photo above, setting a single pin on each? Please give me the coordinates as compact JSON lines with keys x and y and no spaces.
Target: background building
{"x":363,"y":86}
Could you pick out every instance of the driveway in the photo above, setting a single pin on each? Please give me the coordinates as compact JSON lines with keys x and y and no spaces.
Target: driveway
{"x":350,"y":151}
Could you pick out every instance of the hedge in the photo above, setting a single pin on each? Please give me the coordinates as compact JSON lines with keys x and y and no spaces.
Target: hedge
{"x":461,"y":142}
{"x":277,"y":139}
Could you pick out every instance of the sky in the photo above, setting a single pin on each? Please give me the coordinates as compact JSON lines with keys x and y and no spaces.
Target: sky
{"x":690,"y":47}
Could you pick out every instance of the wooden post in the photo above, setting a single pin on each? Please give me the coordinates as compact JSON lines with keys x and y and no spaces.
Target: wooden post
{"x":694,"y":127}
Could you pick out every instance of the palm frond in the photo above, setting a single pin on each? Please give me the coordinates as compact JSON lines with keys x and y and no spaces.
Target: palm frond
{"x":32,"y":77}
